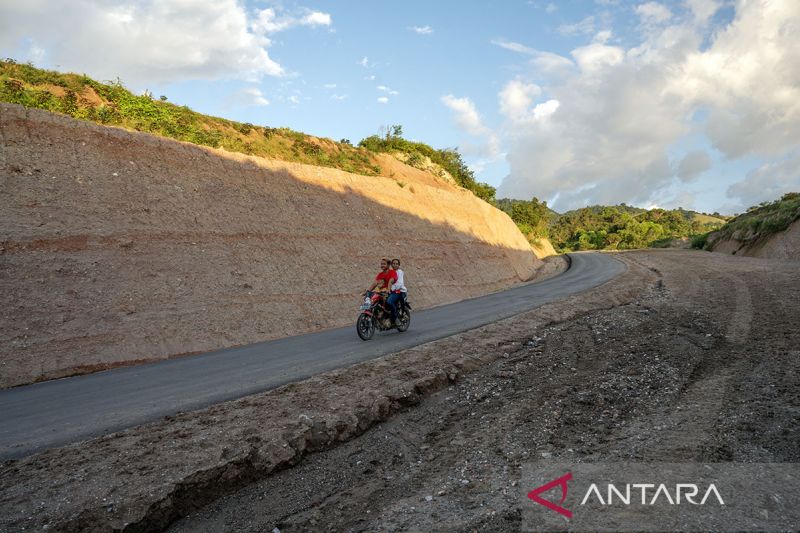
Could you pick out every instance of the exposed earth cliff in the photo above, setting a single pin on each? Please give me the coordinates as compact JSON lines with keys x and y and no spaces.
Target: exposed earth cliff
{"x":119,"y":246}
{"x":781,"y":245}
{"x":770,"y":230}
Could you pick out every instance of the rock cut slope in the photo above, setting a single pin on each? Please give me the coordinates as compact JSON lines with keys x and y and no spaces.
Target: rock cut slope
{"x":119,"y":246}
{"x":769,"y":230}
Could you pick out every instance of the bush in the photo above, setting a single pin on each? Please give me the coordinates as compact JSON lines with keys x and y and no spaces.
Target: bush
{"x":449,"y":159}
{"x":764,"y":219}
{"x":415,"y":160}
{"x":699,"y":242}
{"x":307,"y":148}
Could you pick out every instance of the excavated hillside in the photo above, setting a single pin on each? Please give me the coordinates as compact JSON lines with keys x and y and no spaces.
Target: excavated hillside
{"x":119,"y":247}
{"x":770,"y":230}
{"x":782,"y":245}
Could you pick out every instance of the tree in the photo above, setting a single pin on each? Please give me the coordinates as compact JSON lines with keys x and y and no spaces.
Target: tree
{"x":530,"y":215}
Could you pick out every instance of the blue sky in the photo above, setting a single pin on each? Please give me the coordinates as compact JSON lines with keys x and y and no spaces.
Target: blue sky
{"x":689,"y":103}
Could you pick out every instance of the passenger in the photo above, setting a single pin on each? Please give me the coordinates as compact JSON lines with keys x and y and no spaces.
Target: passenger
{"x":398,"y":288}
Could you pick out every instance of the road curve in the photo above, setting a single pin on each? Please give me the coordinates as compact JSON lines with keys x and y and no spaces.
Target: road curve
{"x":54,"y":413}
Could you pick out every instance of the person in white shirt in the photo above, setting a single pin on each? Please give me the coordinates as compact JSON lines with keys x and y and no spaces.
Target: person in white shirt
{"x":398,"y":289}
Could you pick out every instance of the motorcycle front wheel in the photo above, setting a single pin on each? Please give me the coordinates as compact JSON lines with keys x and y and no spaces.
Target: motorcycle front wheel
{"x":404,"y":319}
{"x":365,"y":326}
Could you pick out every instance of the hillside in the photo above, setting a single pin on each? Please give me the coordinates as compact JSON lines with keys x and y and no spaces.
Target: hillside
{"x":770,"y":229}
{"x":120,"y":246}
{"x":598,"y":227}
{"x":112,"y":104}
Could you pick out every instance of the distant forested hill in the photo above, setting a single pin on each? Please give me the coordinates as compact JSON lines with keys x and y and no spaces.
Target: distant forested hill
{"x":601,"y":227}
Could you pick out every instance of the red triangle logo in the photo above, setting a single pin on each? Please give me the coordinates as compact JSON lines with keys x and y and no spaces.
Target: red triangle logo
{"x":560,"y":482}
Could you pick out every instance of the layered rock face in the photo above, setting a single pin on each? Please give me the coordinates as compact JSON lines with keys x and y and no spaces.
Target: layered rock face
{"x":118,"y":247}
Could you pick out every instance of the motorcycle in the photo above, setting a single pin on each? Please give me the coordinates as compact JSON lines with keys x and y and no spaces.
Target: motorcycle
{"x":376,"y":315}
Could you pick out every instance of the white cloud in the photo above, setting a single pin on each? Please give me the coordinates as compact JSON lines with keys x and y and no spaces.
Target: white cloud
{"x":622,"y":112}
{"x":383,"y":99}
{"x":253,"y":96}
{"x":514,"y":47}
{"x":387,"y":90}
{"x":516,"y":99}
{"x":585,"y":26}
{"x":294,"y":99}
{"x":468,"y":120}
{"x":551,"y":8}
{"x":371,"y":77}
{"x":703,"y":9}
{"x":693,"y":164}
{"x":151,"y":41}
{"x":316,"y":18}
{"x":545,"y":62}
{"x":421,"y":30}
{"x":338,"y":97}
{"x":466,"y":116}
{"x":653,"y":12}
{"x":596,"y":56}
{"x":364,"y":62}
{"x":37,"y":54}
{"x":768,"y":182}
{"x":603,"y":37}
{"x":330,"y":85}
{"x":269,"y":21}
{"x":548,"y":63}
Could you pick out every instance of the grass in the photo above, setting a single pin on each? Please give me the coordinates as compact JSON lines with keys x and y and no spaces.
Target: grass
{"x":112,"y":104}
{"x":449,"y":159}
{"x":763,"y":220}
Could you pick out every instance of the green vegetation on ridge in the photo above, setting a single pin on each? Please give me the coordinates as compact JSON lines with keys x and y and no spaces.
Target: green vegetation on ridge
{"x":621,"y":227}
{"x":533,"y":217}
{"x":112,"y":104}
{"x":448,"y":159}
{"x":759,"y":221}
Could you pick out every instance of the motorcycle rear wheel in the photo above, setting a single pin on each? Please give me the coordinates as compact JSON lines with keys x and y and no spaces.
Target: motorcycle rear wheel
{"x":365,"y":327}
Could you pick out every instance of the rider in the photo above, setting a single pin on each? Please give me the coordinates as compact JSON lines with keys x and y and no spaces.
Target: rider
{"x":385,"y":278}
{"x":398,"y":288}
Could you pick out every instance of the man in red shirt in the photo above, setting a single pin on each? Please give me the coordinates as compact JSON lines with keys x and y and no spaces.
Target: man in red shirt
{"x":385,"y":278}
{"x":383,"y":281}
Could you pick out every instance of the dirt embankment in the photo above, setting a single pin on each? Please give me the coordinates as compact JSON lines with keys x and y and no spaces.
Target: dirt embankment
{"x":782,"y":245}
{"x":543,"y":248}
{"x":117,"y":246}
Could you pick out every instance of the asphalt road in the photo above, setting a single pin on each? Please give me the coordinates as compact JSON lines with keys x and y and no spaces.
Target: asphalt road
{"x":54,"y":413}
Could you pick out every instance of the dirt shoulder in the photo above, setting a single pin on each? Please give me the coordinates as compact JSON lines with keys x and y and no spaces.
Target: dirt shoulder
{"x":146,"y":477}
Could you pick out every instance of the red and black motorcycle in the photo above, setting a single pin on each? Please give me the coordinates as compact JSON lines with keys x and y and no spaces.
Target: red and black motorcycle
{"x":375,"y":314}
